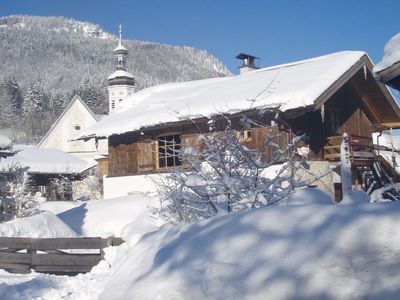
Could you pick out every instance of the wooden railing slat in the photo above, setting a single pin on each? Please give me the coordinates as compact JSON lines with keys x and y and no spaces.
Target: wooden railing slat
{"x":17,"y":242}
{"x":65,"y":259}
{"x":63,"y":269}
{"x":15,"y":268}
{"x":45,"y":255}
{"x":67,"y":243}
{"x":19,"y":258}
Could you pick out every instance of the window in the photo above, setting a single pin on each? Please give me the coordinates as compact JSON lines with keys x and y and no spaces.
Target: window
{"x":112,"y":104}
{"x":41,"y":189}
{"x":245,"y":136}
{"x":168,"y":151}
{"x":77,"y":127}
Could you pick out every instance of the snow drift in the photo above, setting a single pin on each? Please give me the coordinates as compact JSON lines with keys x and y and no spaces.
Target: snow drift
{"x":287,"y":252}
{"x":43,"y":225}
{"x":109,"y":216}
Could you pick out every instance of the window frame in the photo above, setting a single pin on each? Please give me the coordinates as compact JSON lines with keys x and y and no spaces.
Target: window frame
{"x":171,"y":142}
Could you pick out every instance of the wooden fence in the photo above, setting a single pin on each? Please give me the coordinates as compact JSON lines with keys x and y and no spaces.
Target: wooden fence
{"x":53,"y":255}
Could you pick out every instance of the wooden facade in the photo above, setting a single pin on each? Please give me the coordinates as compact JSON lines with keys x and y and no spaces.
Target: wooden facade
{"x":356,"y":104}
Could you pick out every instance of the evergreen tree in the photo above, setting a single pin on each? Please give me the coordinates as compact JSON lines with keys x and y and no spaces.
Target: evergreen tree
{"x":11,"y":100}
{"x":35,"y":112}
{"x":93,"y":96}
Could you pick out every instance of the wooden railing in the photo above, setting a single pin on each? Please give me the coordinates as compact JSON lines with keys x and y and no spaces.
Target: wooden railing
{"x":53,"y":255}
{"x":361,"y":148}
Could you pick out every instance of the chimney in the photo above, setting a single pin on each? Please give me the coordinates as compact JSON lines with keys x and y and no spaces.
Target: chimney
{"x":248,"y":63}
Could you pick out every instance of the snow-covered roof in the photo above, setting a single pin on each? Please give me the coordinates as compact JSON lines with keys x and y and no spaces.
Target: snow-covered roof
{"x":120,"y":48}
{"x":391,"y":54}
{"x":120,"y":73}
{"x":47,"y":161}
{"x":285,"y":87}
{"x":5,"y":142}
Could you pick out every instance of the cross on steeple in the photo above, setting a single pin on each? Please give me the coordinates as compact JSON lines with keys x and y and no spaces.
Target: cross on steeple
{"x":120,"y":34}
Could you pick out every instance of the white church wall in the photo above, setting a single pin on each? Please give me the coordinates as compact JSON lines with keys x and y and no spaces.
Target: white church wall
{"x":74,"y":120}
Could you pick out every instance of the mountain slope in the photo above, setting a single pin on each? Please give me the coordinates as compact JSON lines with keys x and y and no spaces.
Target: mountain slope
{"x":62,"y":56}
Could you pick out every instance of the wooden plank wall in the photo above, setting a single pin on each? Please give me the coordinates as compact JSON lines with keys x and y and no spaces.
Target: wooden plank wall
{"x":102,"y":167}
{"x":260,"y":136}
{"x":142,"y":157}
{"x":132,"y":158}
{"x":20,"y":255}
{"x":357,"y":124}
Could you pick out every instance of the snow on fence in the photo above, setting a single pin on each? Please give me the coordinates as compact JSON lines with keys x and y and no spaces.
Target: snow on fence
{"x":53,"y":255}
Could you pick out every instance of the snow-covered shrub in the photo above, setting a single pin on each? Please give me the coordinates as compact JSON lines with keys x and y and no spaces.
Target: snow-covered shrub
{"x":86,"y":189}
{"x":222,"y":175}
{"x":16,"y":195}
{"x":391,"y":192}
{"x":59,"y":189}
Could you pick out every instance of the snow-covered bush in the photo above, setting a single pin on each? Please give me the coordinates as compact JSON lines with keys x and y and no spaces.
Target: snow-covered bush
{"x":390,"y":192}
{"x":86,"y":189}
{"x":16,"y":196}
{"x":59,"y":189}
{"x":222,"y":175}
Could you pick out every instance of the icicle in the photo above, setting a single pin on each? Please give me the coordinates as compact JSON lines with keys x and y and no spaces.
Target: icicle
{"x":323,"y":113}
{"x":365,"y":72}
{"x":391,"y":142}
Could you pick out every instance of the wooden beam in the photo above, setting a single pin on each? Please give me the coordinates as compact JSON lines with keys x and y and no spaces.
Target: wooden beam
{"x":66,"y":243}
{"x":18,"y":258}
{"x":65,"y":259}
{"x":15,"y":242}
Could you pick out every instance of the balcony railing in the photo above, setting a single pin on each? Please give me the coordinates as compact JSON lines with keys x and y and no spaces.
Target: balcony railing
{"x":361,"y":148}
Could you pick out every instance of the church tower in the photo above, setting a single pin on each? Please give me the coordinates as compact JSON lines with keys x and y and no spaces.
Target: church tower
{"x":121,"y":83}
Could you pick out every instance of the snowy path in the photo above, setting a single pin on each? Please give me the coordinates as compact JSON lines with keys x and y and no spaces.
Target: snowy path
{"x":49,"y":287}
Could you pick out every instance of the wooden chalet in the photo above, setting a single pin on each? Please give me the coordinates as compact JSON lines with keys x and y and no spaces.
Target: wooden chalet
{"x":323,"y":98}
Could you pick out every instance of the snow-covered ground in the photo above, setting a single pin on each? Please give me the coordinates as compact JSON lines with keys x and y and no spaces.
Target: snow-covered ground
{"x":312,"y":250}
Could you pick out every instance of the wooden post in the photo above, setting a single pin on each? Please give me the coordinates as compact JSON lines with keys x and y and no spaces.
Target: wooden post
{"x":345,"y":166}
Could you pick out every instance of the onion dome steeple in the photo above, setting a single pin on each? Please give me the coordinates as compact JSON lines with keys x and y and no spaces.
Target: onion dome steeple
{"x":120,"y":53}
{"x":121,"y":84}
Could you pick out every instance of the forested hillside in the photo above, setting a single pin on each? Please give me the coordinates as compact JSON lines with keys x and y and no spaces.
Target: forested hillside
{"x":44,"y":61}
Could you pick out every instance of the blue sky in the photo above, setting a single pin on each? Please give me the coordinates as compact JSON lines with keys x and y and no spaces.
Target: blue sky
{"x":277,"y":31}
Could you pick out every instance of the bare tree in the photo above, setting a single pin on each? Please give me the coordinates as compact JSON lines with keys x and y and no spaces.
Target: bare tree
{"x":222,"y":175}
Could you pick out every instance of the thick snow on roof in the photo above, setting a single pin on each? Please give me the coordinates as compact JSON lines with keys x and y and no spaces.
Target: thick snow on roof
{"x":120,"y":47}
{"x":5,"y":142}
{"x":285,"y":87}
{"x":48,"y":161}
{"x":391,"y":54}
{"x":120,"y":73}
